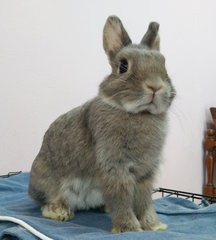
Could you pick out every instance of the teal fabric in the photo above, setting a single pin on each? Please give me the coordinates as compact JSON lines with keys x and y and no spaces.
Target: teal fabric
{"x":185,"y":219}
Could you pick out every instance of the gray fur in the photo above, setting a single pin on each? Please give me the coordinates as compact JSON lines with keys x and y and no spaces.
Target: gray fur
{"x":108,"y":150}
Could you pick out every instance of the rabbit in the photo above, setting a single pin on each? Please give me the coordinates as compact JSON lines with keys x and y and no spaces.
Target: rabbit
{"x":107,"y":151}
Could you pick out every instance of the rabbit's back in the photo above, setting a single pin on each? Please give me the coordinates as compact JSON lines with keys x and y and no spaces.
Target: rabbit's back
{"x":69,"y":140}
{"x":66,"y":152}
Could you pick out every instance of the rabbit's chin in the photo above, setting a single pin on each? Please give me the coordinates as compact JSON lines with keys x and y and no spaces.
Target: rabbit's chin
{"x":155,"y":109}
{"x":132,"y":107}
{"x":151,"y":108}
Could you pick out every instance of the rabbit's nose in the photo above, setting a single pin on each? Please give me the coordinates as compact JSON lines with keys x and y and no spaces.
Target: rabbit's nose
{"x":154,"y":88}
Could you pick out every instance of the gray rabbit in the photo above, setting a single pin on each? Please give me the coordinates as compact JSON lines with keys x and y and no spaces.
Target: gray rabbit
{"x":107,"y":151}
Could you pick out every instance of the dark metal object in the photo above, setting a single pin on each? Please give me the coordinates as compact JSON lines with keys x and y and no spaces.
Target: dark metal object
{"x":10,"y":174}
{"x":186,"y":195}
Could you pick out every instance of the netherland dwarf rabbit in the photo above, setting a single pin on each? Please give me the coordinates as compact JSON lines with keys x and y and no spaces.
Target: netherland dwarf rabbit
{"x":107,"y":151}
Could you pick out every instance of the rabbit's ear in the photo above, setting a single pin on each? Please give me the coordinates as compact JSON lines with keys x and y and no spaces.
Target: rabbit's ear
{"x":114,"y":36}
{"x":151,"y":39}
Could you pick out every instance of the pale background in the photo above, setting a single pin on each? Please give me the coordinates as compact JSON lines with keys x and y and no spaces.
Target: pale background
{"x":51,"y":60}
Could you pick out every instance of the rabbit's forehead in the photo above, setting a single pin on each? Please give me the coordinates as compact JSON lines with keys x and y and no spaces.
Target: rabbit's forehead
{"x":141,"y":55}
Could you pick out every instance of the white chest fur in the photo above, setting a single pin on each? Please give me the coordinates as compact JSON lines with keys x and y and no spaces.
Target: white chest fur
{"x":81,"y":194}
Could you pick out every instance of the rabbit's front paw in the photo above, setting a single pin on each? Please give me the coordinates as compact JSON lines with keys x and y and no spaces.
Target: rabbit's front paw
{"x":126,"y":229}
{"x":57,"y":211}
{"x":153,"y":226}
{"x":127,"y":226}
{"x":159,"y":227}
{"x":150,"y":222}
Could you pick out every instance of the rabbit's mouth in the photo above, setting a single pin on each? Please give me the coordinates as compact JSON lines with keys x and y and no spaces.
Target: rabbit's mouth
{"x":152,"y":99}
{"x":151,"y":103}
{"x":157,"y":106}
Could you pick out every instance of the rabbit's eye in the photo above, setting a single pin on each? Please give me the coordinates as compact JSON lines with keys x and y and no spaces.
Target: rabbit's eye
{"x":123,"y":66}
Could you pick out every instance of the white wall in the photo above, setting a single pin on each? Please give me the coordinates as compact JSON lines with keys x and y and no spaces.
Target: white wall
{"x":51,"y":60}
